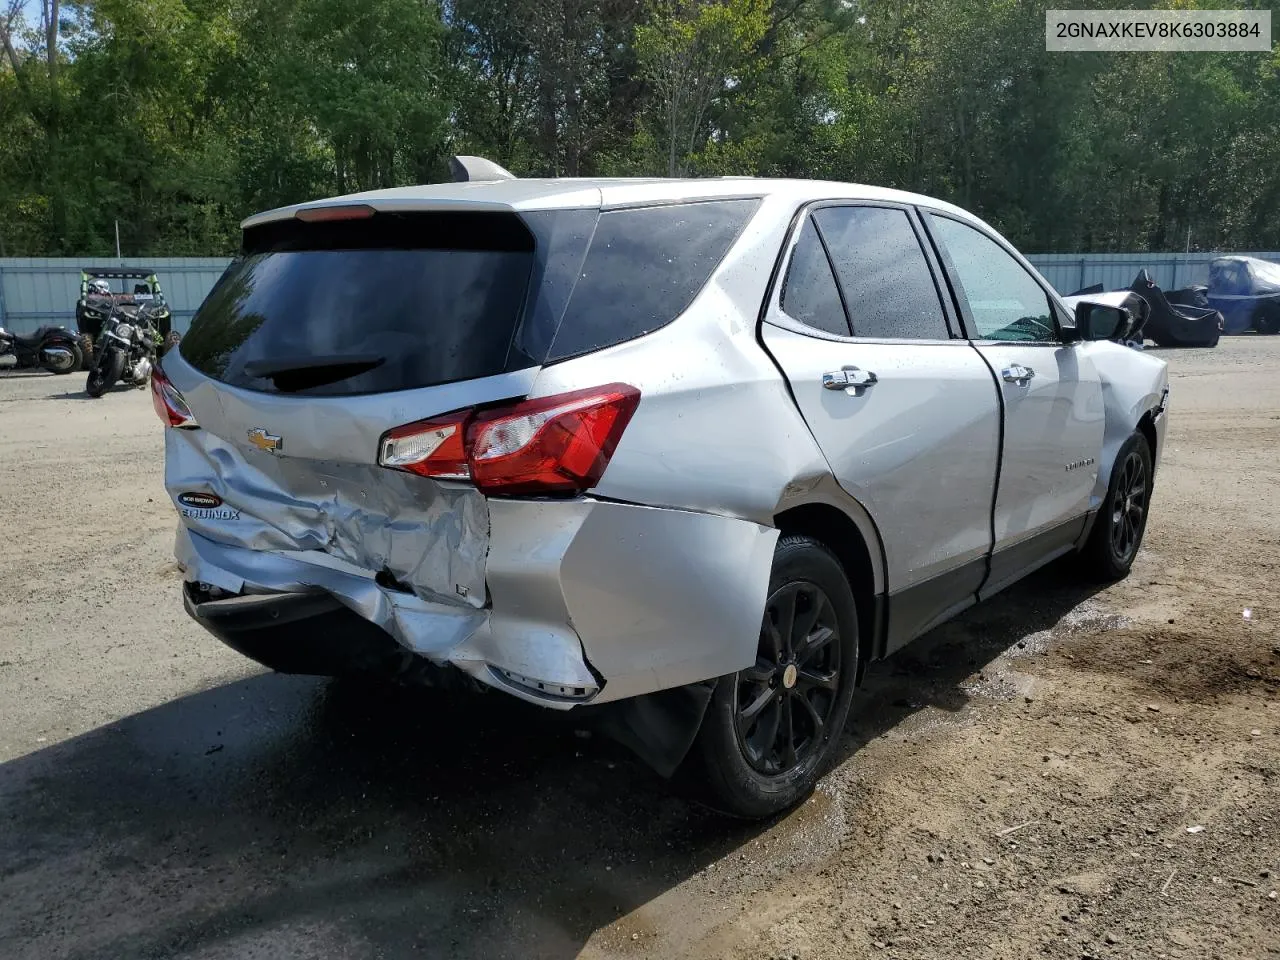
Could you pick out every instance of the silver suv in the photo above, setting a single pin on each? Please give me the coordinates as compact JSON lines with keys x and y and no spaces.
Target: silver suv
{"x":685,"y":454}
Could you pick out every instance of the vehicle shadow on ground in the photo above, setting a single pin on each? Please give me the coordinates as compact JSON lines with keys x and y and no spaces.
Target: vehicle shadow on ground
{"x":286,"y":816}
{"x":931,"y":672}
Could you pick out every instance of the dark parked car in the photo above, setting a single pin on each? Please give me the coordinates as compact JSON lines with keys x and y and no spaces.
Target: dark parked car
{"x":1246,"y":291}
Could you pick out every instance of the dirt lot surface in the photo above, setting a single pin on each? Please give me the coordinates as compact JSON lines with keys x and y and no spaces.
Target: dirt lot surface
{"x":1061,"y":773}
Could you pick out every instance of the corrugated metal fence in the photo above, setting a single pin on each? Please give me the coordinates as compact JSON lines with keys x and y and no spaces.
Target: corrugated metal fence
{"x":1069,"y":272}
{"x":36,"y":291}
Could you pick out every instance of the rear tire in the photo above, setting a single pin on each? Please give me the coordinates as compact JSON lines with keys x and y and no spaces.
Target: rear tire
{"x":68,"y":366}
{"x":1268,"y":321}
{"x":1118,"y":529}
{"x":104,"y":374}
{"x":771,"y":730}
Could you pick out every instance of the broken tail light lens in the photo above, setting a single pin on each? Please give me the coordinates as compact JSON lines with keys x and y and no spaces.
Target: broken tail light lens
{"x":550,"y":445}
{"x":169,"y":405}
{"x":429,"y":448}
{"x":559,"y":444}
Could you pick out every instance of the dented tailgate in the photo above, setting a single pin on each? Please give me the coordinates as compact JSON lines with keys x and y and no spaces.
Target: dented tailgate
{"x":300,"y":474}
{"x":320,"y":338}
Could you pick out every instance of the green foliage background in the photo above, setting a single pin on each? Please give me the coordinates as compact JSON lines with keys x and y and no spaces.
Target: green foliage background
{"x":180,"y":117}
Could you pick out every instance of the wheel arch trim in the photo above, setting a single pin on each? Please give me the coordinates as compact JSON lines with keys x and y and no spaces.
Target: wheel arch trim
{"x":846,"y":528}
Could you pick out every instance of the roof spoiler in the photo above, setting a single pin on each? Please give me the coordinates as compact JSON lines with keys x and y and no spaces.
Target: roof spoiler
{"x":465,"y":169}
{"x":119,"y":273}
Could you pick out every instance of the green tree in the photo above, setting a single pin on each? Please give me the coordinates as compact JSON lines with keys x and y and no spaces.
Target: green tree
{"x":34,"y":66}
{"x":180,"y":117}
{"x":693,"y":55}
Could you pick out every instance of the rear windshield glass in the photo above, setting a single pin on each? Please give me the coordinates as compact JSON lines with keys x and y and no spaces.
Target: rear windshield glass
{"x":401,"y":301}
{"x":389,"y":304}
{"x":1267,"y":273}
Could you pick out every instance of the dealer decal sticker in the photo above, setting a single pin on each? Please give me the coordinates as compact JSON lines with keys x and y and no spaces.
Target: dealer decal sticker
{"x":205,"y":506}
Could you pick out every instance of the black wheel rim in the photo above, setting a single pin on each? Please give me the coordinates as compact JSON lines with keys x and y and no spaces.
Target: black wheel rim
{"x":1129,"y":508}
{"x":784,"y":702}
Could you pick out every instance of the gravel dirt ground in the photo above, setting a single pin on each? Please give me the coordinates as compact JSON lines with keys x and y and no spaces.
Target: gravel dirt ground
{"x":1063,"y":772}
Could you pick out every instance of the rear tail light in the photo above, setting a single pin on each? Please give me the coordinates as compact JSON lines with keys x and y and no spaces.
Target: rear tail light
{"x":169,"y":405}
{"x":432,"y":448}
{"x":558,"y":444}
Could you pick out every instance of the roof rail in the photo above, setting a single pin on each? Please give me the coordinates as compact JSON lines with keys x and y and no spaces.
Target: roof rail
{"x":465,"y":169}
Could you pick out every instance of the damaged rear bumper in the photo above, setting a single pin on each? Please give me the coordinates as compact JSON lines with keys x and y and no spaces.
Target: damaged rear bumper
{"x":298,"y":632}
{"x":588,"y":601}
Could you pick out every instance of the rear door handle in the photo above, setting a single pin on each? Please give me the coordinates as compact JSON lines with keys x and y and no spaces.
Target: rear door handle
{"x":1017,"y":373}
{"x":849,"y":379}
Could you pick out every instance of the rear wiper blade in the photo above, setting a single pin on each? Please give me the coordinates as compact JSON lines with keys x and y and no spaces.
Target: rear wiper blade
{"x":290,"y":374}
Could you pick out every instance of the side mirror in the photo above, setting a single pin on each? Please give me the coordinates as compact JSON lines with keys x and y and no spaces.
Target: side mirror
{"x":1097,"y":321}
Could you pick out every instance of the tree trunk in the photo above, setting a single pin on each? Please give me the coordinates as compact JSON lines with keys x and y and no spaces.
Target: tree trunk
{"x":671,"y":139}
{"x":53,"y":137}
{"x":571,"y":51}
{"x":547,"y":124}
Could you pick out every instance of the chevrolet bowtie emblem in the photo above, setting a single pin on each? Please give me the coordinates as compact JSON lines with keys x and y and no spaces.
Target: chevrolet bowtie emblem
{"x":265,"y":441}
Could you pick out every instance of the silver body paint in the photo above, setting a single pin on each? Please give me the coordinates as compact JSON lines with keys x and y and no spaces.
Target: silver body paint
{"x":659,"y":577}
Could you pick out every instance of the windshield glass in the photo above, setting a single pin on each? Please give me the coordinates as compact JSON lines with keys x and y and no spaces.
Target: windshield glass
{"x":1266,"y":272}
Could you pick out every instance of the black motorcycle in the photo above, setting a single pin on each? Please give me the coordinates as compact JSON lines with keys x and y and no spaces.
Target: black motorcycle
{"x":56,"y":349}
{"x":125,"y":351}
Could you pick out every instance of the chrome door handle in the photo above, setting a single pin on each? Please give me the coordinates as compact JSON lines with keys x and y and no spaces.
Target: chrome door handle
{"x":849,"y":379}
{"x":1018,"y":374}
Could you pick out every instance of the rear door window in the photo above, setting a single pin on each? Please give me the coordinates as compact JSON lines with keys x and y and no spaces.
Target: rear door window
{"x":809,"y":292}
{"x":887,"y":284}
{"x":643,"y":269}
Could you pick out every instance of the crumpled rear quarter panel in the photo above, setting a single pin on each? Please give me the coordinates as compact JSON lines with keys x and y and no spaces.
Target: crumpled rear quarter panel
{"x":659,"y":597}
{"x":651,"y":598}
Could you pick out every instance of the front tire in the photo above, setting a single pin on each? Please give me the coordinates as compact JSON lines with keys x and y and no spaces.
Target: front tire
{"x":104,"y":374}
{"x":1118,"y":529}
{"x":771,"y":730}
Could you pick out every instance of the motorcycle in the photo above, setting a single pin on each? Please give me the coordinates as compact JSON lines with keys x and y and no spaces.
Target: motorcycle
{"x":125,"y":351}
{"x":56,"y":349}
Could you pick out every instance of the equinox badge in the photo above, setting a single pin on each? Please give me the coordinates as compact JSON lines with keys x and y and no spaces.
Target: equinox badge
{"x":265,"y":441}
